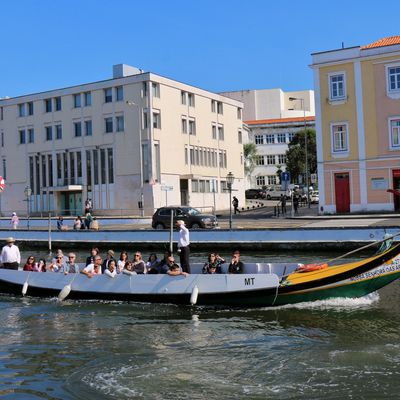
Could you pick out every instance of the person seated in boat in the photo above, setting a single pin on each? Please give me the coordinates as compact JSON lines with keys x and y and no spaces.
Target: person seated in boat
{"x":58,"y":265}
{"x":110,"y":256}
{"x":138,"y":264}
{"x":213,"y":265}
{"x":155,"y":266}
{"x":59,"y":253}
{"x":93,"y":252}
{"x":236,"y":266}
{"x":111,"y":269}
{"x":128,"y":270}
{"x":30,"y":264}
{"x":41,"y":265}
{"x":123,"y":258}
{"x":93,"y":269}
{"x":173,"y":268}
{"x":71,"y":266}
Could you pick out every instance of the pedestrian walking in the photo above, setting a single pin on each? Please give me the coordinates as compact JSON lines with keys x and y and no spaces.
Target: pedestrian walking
{"x":283,"y":204}
{"x":296,"y":204}
{"x":183,"y":246}
{"x":235,"y":203}
{"x":14,"y":220}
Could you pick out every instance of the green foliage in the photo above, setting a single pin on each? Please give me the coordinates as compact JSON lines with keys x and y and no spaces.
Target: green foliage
{"x":296,"y":157}
{"x":250,"y":156}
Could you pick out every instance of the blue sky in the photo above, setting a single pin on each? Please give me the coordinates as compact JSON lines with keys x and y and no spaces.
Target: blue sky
{"x":217,"y":45}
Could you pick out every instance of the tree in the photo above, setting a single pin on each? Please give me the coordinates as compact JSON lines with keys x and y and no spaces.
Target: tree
{"x":250,"y":156}
{"x":296,"y":157}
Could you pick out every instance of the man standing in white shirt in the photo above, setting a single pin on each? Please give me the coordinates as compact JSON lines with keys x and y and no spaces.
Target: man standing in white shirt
{"x":10,"y":256}
{"x":183,"y":245}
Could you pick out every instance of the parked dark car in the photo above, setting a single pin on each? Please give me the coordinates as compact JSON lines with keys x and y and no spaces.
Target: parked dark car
{"x":255,"y":194}
{"x":193,"y":218}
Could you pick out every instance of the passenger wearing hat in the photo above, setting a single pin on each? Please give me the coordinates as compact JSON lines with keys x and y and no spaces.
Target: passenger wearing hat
{"x":110,"y":256}
{"x":183,"y":245}
{"x":10,"y":255}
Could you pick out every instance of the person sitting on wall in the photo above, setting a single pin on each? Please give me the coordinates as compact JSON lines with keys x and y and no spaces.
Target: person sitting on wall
{"x":236,"y":266}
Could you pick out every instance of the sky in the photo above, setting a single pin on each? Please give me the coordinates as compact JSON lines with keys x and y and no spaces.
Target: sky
{"x":217,"y":45}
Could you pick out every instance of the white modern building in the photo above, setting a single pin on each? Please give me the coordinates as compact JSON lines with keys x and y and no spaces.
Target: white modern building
{"x":273,"y":117}
{"x":132,"y":143}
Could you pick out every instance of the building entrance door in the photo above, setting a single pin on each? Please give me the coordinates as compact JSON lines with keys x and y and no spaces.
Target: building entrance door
{"x":342,"y":193}
{"x":184,"y":186}
{"x":71,"y":203}
{"x":396,"y":186}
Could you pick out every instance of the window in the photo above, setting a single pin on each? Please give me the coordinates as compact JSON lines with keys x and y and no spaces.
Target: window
{"x":191,"y":99}
{"x":49,"y":133}
{"x":2,"y":139}
{"x":21,"y":110}
{"x":119,"y":121}
{"x":270,"y":159}
{"x":4,"y":168}
{"x":220,"y":108}
{"x":260,"y":160}
{"x":192,"y":127}
{"x":214,"y":131}
{"x":87,"y":98}
{"x":22,"y":138}
{"x":103,"y":166}
{"x":239,"y":113}
{"x":31,"y":135}
{"x":270,"y":138}
{"x":186,"y":155}
{"x":281,"y":138}
{"x":144,"y":89}
{"x":78,"y":129}
{"x":50,"y":169}
{"x":1,"y":113}
{"x":156,"y":120}
{"x":108,"y":122}
{"x":213,"y":102}
{"x":57,"y":103}
{"x":240,"y":139}
{"x":96,"y":167}
{"x":260,"y":180}
{"x":108,"y":95}
{"x":337,"y":87}
{"x":58,"y":131}
{"x":393,"y":74}
{"x":259,"y":139}
{"x":281,"y":159}
{"x":271,"y":179}
{"x":184,"y":125}
{"x":88,"y":128}
{"x":183,"y":97}
{"x":221,"y":133}
{"x":119,"y":93}
{"x":77,"y":100}
{"x":30,"y":107}
{"x":291,"y":136}
{"x":145,"y":120}
{"x":88,"y":168}
{"x":339,"y":138}
{"x":47,"y":105}
{"x":394,"y":125}
{"x":155,"y":88}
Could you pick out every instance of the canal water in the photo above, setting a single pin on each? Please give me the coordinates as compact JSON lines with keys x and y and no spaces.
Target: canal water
{"x":343,"y":348}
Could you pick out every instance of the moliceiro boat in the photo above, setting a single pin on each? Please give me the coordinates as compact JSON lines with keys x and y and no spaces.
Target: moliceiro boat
{"x":261,"y":284}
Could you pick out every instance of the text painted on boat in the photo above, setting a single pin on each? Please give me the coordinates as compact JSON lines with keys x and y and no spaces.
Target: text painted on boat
{"x":382,"y":270}
{"x":249,"y":281}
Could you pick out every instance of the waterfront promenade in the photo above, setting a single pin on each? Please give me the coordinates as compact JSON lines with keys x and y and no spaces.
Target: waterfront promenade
{"x":258,"y":228}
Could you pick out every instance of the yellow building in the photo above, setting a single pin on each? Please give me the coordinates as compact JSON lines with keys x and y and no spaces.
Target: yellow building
{"x":357,"y":96}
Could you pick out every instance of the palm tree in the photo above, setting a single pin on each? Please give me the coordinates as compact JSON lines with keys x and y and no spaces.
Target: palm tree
{"x":250,"y":156}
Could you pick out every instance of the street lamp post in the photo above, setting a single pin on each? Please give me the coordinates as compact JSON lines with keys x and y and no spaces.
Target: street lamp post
{"x":229,"y":181}
{"x":305,"y":143}
{"x":132,"y":103}
{"x":28,"y":193}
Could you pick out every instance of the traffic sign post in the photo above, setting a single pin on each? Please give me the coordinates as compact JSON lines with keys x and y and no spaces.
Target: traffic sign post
{"x":166,"y":189}
{"x":285,"y":179}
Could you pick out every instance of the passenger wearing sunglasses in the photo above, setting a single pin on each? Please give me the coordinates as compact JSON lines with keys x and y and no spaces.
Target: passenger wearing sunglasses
{"x":138,"y":264}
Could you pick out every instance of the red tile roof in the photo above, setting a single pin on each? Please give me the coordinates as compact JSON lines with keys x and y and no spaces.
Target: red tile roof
{"x":389,"y":41}
{"x":278,"y":120}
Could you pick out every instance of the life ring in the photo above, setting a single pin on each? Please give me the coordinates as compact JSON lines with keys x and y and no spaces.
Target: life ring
{"x":311,"y":267}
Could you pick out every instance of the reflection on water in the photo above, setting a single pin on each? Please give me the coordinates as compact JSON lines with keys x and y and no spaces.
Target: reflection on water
{"x":90,"y":350}
{"x":342,"y":348}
